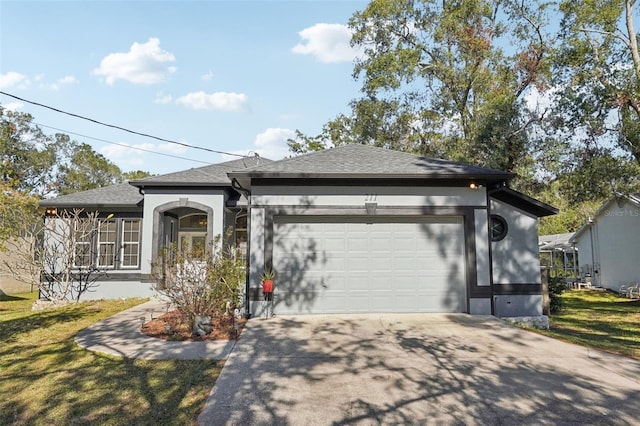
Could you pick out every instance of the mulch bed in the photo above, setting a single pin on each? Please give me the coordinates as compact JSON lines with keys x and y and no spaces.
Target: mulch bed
{"x":181,"y":330}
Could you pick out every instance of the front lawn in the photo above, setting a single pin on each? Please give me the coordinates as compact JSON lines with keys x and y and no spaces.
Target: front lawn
{"x":45,"y":378}
{"x":599,"y":319}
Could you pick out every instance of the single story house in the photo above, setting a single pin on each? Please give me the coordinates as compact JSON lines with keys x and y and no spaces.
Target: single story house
{"x":609,"y":243}
{"x":351,"y":229}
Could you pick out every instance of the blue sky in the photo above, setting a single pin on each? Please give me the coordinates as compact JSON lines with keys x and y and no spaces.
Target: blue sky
{"x":234,"y":76}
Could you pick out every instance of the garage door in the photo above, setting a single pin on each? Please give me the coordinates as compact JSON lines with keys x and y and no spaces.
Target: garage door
{"x":350,"y":265}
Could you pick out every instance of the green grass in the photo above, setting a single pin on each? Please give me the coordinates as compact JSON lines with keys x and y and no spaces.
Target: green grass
{"x":46,"y":379}
{"x":600,"y":320}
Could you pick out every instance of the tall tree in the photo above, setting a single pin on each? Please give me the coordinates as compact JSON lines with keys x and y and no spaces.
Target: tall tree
{"x":446,"y":79}
{"x":27,"y":156}
{"x":598,"y":72}
{"x":85,"y":169}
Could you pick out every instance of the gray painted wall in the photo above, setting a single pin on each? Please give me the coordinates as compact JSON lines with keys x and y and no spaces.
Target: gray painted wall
{"x":516,"y":258}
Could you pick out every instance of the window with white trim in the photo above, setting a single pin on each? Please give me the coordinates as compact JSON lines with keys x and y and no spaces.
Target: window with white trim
{"x":106,"y":244}
{"x":82,"y":245}
{"x":130,"y":243}
{"x":113,"y":244}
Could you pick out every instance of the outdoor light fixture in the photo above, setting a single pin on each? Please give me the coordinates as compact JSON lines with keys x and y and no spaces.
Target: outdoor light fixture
{"x":51,"y":211}
{"x":473,"y":185}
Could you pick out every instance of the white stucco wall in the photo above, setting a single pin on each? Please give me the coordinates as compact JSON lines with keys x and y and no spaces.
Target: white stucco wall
{"x":156,"y":198}
{"x":358,"y":195}
{"x":615,"y":238}
{"x":516,"y":257}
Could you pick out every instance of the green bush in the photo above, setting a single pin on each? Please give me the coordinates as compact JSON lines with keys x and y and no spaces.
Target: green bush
{"x":201,"y":282}
{"x":556,"y":287}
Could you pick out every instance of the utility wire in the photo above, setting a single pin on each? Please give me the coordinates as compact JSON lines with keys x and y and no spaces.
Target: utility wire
{"x":122,"y":144}
{"x":146,"y":135}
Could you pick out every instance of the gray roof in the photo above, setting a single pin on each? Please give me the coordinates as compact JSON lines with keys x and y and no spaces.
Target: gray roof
{"x":213,"y":175}
{"x":364,"y":161}
{"x":122,"y":195}
{"x":555,"y":242}
{"x":125,"y":195}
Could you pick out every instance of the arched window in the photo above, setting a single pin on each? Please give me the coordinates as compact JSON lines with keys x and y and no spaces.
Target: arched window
{"x":193,"y":222}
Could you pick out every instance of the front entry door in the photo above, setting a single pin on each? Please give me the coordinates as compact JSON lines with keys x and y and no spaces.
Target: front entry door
{"x":192,"y":241}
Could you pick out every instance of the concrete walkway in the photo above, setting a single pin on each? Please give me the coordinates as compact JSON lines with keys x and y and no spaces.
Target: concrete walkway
{"x":120,"y":335}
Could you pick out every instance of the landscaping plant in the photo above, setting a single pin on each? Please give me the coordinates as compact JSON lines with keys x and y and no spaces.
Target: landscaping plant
{"x":556,"y":287}
{"x":201,"y":282}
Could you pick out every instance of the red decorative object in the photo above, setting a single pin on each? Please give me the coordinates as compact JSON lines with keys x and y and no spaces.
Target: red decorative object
{"x":267,"y":286}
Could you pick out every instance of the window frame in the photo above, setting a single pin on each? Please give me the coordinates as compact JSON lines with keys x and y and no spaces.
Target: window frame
{"x":100,"y":244}
{"x":91,"y":248}
{"x":87,"y":252}
{"x":498,"y":236}
{"x":124,"y":243}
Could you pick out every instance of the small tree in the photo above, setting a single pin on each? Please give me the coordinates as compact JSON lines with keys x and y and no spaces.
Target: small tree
{"x":557,"y":286}
{"x":57,"y":254}
{"x":200,"y":282}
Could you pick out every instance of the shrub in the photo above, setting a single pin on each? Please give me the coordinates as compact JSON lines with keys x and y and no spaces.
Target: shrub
{"x":200,"y":282}
{"x":556,"y":287}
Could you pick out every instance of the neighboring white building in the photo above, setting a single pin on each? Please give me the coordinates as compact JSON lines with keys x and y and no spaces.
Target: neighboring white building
{"x":609,"y":243}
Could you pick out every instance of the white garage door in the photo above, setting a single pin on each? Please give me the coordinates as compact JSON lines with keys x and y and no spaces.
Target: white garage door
{"x":341,"y":264}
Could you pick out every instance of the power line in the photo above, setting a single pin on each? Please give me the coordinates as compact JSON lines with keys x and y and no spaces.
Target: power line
{"x":146,"y":135}
{"x":122,"y":144}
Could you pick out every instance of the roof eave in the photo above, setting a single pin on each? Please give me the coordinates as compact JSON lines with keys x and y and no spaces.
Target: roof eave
{"x":435,"y":176}
{"x":142,"y":184}
{"x":524,"y":202}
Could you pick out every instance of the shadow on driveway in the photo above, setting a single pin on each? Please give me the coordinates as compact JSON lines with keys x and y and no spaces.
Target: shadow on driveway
{"x":405,"y":368}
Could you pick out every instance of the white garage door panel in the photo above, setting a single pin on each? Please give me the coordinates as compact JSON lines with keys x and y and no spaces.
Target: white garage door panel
{"x":335,"y":265}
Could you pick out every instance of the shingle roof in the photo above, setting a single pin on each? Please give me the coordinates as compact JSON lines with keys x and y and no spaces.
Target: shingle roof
{"x":122,"y":195}
{"x":126,"y":195}
{"x":215,"y":174}
{"x":355,"y":160}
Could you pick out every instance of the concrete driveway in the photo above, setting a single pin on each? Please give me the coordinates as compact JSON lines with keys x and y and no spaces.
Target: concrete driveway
{"x":416,"y":369}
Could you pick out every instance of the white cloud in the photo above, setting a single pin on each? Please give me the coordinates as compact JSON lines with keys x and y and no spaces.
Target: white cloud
{"x":272,"y":144}
{"x":145,"y":63}
{"x":162,"y":99}
{"x":224,"y":101}
{"x":207,"y":77}
{"x":328,"y":43}
{"x":13,"y":106}
{"x":68,"y":79}
{"x":134,"y":155}
{"x":13,"y":79}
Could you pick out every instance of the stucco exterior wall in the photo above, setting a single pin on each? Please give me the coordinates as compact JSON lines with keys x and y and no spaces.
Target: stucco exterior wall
{"x":119,"y":290}
{"x":610,"y":246}
{"x":516,"y":258}
{"x":156,"y":200}
{"x":358,"y":195}
{"x":516,"y":264}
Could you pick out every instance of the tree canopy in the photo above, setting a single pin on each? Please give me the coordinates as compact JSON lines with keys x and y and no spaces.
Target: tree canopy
{"x":34,"y":165}
{"x":549,"y":90}
{"x":446,"y":79}
{"x":42,"y":165}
